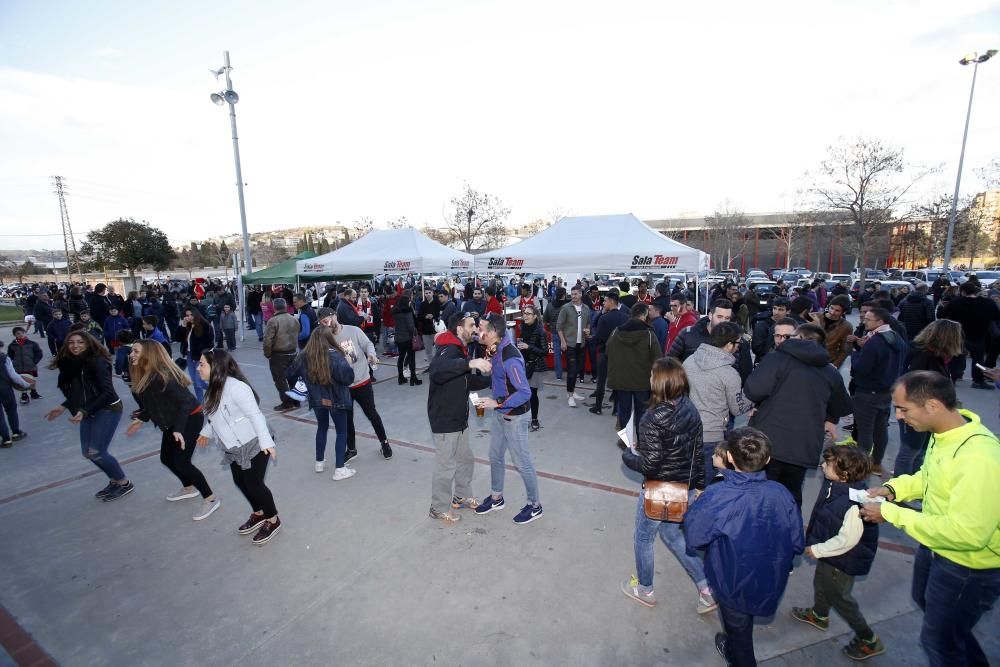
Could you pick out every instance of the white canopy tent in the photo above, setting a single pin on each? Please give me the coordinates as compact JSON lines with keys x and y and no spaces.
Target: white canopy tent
{"x":386,"y":251}
{"x":594,"y":244}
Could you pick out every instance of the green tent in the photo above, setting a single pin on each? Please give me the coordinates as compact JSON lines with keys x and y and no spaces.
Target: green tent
{"x":279,"y":273}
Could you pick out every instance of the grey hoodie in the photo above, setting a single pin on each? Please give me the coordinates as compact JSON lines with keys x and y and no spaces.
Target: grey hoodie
{"x":715,"y":389}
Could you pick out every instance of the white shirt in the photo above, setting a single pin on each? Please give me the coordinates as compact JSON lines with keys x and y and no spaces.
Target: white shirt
{"x":579,"y":324}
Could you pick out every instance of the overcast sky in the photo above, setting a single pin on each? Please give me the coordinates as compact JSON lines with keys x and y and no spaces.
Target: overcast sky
{"x":384,"y":109}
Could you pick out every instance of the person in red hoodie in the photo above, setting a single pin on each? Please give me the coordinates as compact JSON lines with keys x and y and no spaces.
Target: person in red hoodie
{"x":492,"y":304}
{"x":680,"y":317}
{"x":389,"y":300}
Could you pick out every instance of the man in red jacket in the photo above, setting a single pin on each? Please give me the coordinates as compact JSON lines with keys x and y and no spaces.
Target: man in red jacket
{"x":680,"y":317}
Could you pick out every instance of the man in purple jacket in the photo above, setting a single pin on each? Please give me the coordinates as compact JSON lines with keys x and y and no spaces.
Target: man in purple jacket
{"x":511,"y":406}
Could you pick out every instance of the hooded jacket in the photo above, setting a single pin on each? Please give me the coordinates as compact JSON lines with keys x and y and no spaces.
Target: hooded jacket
{"x":451,"y":380}
{"x":877,"y":365}
{"x":668,"y":444}
{"x":751,"y":530}
{"x":796,"y":390}
{"x":916,"y":311}
{"x":715,"y":389}
{"x":631,"y":350}
{"x":960,"y":519}
{"x":690,"y":338}
{"x":338,"y":392}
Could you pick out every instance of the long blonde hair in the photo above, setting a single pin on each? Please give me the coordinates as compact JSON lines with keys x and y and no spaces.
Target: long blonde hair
{"x":154,"y":360}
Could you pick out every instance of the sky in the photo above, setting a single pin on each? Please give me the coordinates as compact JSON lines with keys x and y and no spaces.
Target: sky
{"x":384,"y":109}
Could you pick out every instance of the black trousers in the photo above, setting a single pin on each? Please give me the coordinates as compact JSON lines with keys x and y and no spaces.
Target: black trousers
{"x":251,"y":483}
{"x":364,"y":396}
{"x":602,"y":376}
{"x":230,"y":335}
{"x":977,"y":355}
{"x":178,"y":461}
{"x":574,"y":365}
{"x":406,"y":356}
{"x":789,"y":476}
{"x":279,"y":363}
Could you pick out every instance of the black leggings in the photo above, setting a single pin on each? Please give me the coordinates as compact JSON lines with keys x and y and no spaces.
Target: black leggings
{"x":407,"y":355}
{"x":178,"y":461}
{"x":251,"y":483}
{"x":534,"y":404}
{"x":364,"y":396}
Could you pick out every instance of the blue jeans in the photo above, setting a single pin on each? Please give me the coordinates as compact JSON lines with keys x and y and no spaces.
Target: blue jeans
{"x":96,"y":432}
{"x":196,"y":381}
{"x":323,"y":416}
{"x":258,"y":324}
{"x":912,"y":445}
{"x":739,"y":636}
{"x":953,"y":598}
{"x":250,"y":322}
{"x":389,"y":333}
{"x":557,"y":355}
{"x":511,"y":434}
{"x":672,"y":536}
{"x":629,"y":401}
{"x":707,"y":449}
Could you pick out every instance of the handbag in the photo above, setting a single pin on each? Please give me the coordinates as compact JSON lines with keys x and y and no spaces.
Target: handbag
{"x":667,"y":501}
{"x":417,"y":342}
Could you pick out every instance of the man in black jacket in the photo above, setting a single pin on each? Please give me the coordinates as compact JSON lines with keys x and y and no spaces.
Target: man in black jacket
{"x":797,"y":391}
{"x":689,"y":339}
{"x":975,"y":314}
{"x":763,"y":327}
{"x":625,"y":295}
{"x":452,"y":375}
{"x":916,"y":311}
{"x":610,"y":319}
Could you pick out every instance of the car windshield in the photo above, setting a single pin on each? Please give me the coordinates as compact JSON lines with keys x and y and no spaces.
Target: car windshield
{"x":763,"y":288}
{"x":989,"y":275}
{"x":956,"y":274}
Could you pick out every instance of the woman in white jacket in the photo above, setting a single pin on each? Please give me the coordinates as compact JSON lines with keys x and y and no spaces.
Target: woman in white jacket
{"x":233,"y":416}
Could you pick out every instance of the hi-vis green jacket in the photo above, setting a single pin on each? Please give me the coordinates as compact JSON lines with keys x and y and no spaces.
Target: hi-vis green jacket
{"x":959,"y":483}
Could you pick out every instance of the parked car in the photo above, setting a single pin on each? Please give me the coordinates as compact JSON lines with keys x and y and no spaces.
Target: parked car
{"x":986,"y":278}
{"x":756,"y":274}
{"x":791,"y":278}
{"x":802,"y":271}
{"x":886,"y":285}
{"x":763,"y":288}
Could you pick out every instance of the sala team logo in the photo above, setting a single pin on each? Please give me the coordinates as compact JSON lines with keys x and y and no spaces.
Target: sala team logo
{"x":461,"y":264}
{"x":653,"y":262}
{"x":396,"y":265}
{"x":308,"y":266}
{"x":506,"y":263}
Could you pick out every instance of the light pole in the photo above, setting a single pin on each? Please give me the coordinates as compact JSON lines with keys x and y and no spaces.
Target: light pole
{"x":229,"y":96}
{"x":974,"y":59}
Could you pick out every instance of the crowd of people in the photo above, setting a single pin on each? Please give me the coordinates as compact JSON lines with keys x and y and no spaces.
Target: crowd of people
{"x":677,"y":380}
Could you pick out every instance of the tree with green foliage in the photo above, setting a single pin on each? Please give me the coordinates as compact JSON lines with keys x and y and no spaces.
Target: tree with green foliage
{"x":128,"y":245}
{"x":324,"y":246}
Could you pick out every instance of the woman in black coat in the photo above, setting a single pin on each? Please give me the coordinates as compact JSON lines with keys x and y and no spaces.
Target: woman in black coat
{"x":406,"y":332}
{"x":668,"y":449}
{"x":195,"y":336}
{"x":162,"y":388}
{"x":534,"y":346}
{"x":85,"y":380}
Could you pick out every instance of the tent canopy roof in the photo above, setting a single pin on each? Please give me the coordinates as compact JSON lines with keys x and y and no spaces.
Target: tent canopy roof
{"x":387,"y":251}
{"x":594,"y":243}
{"x":283,"y":272}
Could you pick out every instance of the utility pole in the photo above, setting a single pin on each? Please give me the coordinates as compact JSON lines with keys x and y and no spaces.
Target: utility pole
{"x":69,"y":243}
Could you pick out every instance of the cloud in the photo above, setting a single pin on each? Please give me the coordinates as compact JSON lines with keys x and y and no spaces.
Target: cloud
{"x":109,"y":52}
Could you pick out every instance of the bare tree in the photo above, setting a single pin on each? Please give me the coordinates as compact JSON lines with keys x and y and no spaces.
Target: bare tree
{"x":442,"y":236}
{"x":477,"y":220}
{"x":360,"y":227}
{"x":731,"y":228}
{"x":397,"y":223}
{"x":557,"y":213}
{"x":990,"y":174}
{"x":970,"y":228}
{"x":933,"y":216}
{"x":869,"y":182}
{"x":788,"y":235}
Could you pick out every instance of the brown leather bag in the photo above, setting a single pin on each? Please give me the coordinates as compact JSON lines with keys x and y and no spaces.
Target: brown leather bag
{"x":667,"y":501}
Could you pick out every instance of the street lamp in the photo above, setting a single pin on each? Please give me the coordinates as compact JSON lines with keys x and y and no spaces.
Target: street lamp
{"x":974,"y":59}
{"x":229,"y":96}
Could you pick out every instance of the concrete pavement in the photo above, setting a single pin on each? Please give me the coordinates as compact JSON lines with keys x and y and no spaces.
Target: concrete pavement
{"x":360,"y":575}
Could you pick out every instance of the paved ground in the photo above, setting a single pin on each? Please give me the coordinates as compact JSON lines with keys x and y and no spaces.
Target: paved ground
{"x":360,"y":575}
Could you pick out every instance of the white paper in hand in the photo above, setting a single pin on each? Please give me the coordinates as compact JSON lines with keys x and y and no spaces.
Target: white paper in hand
{"x":627,"y":434}
{"x":861,"y":496}
{"x":473,"y":398}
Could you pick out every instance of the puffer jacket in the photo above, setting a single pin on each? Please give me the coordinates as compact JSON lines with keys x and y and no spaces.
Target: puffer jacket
{"x":24,"y":355}
{"x":715,"y":389}
{"x":631,"y":350}
{"x":751,"y":530}
{"x":916,"y":311}
{"x":538,"y":347}
{"x":669,"y":444}
{"x":338,"y":393}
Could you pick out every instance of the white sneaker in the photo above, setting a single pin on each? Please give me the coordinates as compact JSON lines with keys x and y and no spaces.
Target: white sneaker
{"x":320,"y":465}
{"x":572,"y":401}
{"x":182,"y":494}
{"x":578,"y":396}
{"x":206,"y":509}
{"x":343,"y":473}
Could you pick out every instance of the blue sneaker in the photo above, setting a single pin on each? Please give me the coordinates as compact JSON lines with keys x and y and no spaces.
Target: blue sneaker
{"x":490,"y":504}
{"x":528,"y":514}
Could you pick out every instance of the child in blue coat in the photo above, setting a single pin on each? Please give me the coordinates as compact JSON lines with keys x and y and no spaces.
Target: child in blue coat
{"x":114,"y":323}
{"x":751,"y":530}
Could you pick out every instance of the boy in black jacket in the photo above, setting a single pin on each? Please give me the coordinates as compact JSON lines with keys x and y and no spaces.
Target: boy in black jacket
{"x":844,"y":547}
{"x":25,"y":354}
{"x":452,"y":376}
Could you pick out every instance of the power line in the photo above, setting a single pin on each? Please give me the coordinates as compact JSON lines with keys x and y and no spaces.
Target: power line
{"x":72,"y":260}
